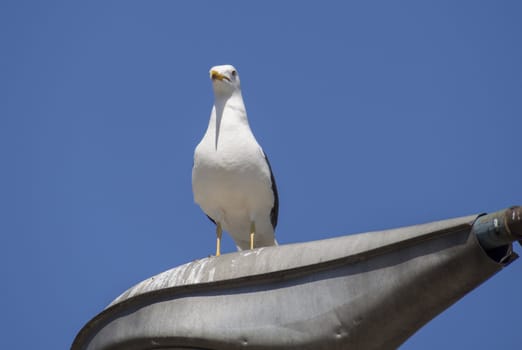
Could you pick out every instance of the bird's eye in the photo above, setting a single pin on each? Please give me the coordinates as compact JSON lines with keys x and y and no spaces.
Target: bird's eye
{"x":234,"y":73}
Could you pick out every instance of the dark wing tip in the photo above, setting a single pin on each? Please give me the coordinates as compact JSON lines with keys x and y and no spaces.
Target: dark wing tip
{"x":274,"y":213}
{"x":211,"y":219}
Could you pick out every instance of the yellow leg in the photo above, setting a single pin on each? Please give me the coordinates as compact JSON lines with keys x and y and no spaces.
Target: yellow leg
{"x":252,"y":233}
{"x":219,"y":232}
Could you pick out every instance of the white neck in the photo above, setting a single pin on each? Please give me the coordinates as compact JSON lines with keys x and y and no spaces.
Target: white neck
{"x":228,"y":114}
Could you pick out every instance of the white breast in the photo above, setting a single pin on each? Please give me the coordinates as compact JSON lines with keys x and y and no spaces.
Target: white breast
{"x":231,"y":179}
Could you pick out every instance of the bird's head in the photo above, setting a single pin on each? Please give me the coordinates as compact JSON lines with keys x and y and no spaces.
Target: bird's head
{"x":225,"y":79}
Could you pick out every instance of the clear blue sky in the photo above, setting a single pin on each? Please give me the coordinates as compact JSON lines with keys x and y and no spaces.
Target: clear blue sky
{"x":374,"y":114}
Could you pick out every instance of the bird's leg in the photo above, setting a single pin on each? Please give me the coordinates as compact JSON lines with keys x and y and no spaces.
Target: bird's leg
{"x":219,"y":232}
{"x":252,"y":233}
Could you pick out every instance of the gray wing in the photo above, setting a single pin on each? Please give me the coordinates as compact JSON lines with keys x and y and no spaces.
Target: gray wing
{"x":274,"y":213}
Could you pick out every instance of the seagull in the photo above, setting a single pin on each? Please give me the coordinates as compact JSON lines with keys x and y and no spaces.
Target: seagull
{"x":232,"y":180}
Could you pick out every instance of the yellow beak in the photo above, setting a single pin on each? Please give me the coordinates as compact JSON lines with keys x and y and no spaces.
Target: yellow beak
{"x":216,"y":75}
